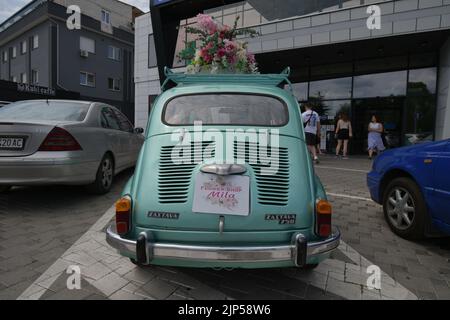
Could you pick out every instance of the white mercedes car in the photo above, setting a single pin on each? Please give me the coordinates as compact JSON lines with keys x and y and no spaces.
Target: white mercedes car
{"x":63,"y":142}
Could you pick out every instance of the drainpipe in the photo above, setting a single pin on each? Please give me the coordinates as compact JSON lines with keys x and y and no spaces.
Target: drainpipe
{"x":58,"y":85}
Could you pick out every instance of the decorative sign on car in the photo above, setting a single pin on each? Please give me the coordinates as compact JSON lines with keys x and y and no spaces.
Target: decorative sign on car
{"x":222,"y":194}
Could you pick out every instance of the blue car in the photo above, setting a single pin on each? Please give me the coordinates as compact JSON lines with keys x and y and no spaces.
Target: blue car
{"x":413,"y":185}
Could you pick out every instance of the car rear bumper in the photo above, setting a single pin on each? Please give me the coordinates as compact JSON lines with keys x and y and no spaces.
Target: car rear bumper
{"x":297,"y":253}
{"x":41,"y":169}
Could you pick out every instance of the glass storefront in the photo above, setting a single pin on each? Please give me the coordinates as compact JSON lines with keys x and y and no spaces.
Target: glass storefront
{"x":398,"y":86}
{"x":404,"y":100}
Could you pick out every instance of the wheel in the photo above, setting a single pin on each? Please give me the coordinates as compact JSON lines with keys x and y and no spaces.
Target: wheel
{"x":105,"y":176}
{"x":405,"y":209}
{"x":4,"y":189}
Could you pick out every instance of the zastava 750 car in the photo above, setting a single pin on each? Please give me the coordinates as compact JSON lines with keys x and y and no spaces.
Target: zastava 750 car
{"x":224,"y":180}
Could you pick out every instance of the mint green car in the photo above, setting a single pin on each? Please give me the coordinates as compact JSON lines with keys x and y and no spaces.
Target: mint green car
{"x":224,"y":180}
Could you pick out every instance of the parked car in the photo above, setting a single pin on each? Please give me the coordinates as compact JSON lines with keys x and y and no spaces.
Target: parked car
{"x":212,"y":211}
{"x":46,"y":142}
{"x":413,"y":185}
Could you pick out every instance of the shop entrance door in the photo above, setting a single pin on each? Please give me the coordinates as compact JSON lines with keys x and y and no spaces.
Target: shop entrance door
{"x":389,"y":112}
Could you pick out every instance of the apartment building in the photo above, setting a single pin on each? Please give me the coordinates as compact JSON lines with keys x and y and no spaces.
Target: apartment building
{"x":38,"y":49}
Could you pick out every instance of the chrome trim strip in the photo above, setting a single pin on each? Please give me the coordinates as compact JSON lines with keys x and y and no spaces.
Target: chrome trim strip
{"x":223,"y":169}
{"x":223,"y":253}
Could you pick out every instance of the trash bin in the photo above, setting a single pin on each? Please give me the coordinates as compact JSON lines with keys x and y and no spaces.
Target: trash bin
{"x":331,"y":142}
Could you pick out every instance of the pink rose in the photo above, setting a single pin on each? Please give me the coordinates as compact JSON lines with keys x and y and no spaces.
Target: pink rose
{"x":221,"y":52}
{"x":207,"y":23}
{"x":251,"y":58}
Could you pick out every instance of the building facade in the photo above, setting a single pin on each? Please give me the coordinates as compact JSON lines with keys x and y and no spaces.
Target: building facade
{"x":341,"y":60}
{"x":37,"y":48}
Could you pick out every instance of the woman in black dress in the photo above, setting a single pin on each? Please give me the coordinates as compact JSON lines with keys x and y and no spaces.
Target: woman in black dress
{"x":343,"y":133}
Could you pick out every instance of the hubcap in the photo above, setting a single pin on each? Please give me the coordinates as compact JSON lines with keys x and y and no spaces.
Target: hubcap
{"x":107,"y":173}
{"x":401,"y":208}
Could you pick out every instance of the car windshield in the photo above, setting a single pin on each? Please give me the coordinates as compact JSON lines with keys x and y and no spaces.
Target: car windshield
{"x":43,"y":110}
{"x":226,"y":109}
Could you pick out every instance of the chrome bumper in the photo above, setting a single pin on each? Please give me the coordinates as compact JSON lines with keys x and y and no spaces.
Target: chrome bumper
{"x":290,"y":252}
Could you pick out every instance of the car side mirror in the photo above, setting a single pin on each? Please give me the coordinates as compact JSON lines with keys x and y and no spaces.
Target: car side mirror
{"x":139,"y":130}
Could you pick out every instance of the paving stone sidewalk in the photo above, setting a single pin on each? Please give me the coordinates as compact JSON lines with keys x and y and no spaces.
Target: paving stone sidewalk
{"x":37,"y":225}
{"x":423,"y":267}
{"x":410,"y":269}
{"x":108,"y":275}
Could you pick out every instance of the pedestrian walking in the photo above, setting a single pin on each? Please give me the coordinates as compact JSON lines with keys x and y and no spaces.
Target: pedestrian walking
{"x":344,"y":133}
{"x":375,"y":140}
{"x":311,"y":123}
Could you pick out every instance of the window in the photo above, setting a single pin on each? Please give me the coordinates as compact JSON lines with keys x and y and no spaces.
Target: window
{"x":5,"y":56}
{"x":374,"y":85}
{"x":422,"y":81}
{"x":23,"y":78}
{"x":35,"y":42}
{"x":226,"y":109}
{"x":114,"y":84}
{"x":110,"y":119}
{"x":87,"y":44}
{"x":124,"y":124}
{"x":87,"y":79}
{"x":300,"y":91}
{"x":34,"y":76}
{"x":14,"y":52}
{"x":114,"y":53}
{"x":340,"y":88}
{"x":106,"y":17}
{"x":23,"y":47}
{"x":152,"y":62}
{"x":45,"y":110}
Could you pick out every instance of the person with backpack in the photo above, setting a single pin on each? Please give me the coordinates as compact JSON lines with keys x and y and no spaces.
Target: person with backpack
{"x":311,"y":124}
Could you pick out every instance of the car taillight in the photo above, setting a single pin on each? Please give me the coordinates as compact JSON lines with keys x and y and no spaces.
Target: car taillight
{"x":123,"y":215}
{"x":323,"y":211}
{"x":59,"y":140}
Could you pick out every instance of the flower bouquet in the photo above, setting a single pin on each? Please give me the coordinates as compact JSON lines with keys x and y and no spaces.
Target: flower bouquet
{"x":219,"y":51}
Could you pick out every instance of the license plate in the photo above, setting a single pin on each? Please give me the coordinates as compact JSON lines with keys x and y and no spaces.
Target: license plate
{"x":228,"y":195}
{"x":10,"y":143}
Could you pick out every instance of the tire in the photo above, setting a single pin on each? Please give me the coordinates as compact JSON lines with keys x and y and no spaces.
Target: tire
{"x":105,"y":176}
{"x":4,"y":189}
{"x":309,"y":266}
{"x":133,"y":261}
{"x":405,"y":209}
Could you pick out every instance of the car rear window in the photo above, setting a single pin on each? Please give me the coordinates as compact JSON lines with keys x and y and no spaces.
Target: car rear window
{"x":43,"y":110}
{"x":226,"y":109}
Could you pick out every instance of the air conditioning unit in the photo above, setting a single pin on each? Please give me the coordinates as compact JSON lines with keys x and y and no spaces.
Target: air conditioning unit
{"x":84,"y":53}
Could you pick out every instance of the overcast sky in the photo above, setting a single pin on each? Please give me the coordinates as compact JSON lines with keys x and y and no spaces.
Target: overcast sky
{"x":9,"y":7}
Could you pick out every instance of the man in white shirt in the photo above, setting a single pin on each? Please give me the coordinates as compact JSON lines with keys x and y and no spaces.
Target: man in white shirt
{"x":311,"y":123}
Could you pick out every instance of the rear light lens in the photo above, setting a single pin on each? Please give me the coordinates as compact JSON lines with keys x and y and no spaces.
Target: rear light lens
{"x":123,"y":215}
{"x":59,"y":140}
{"x":324,"y":212}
